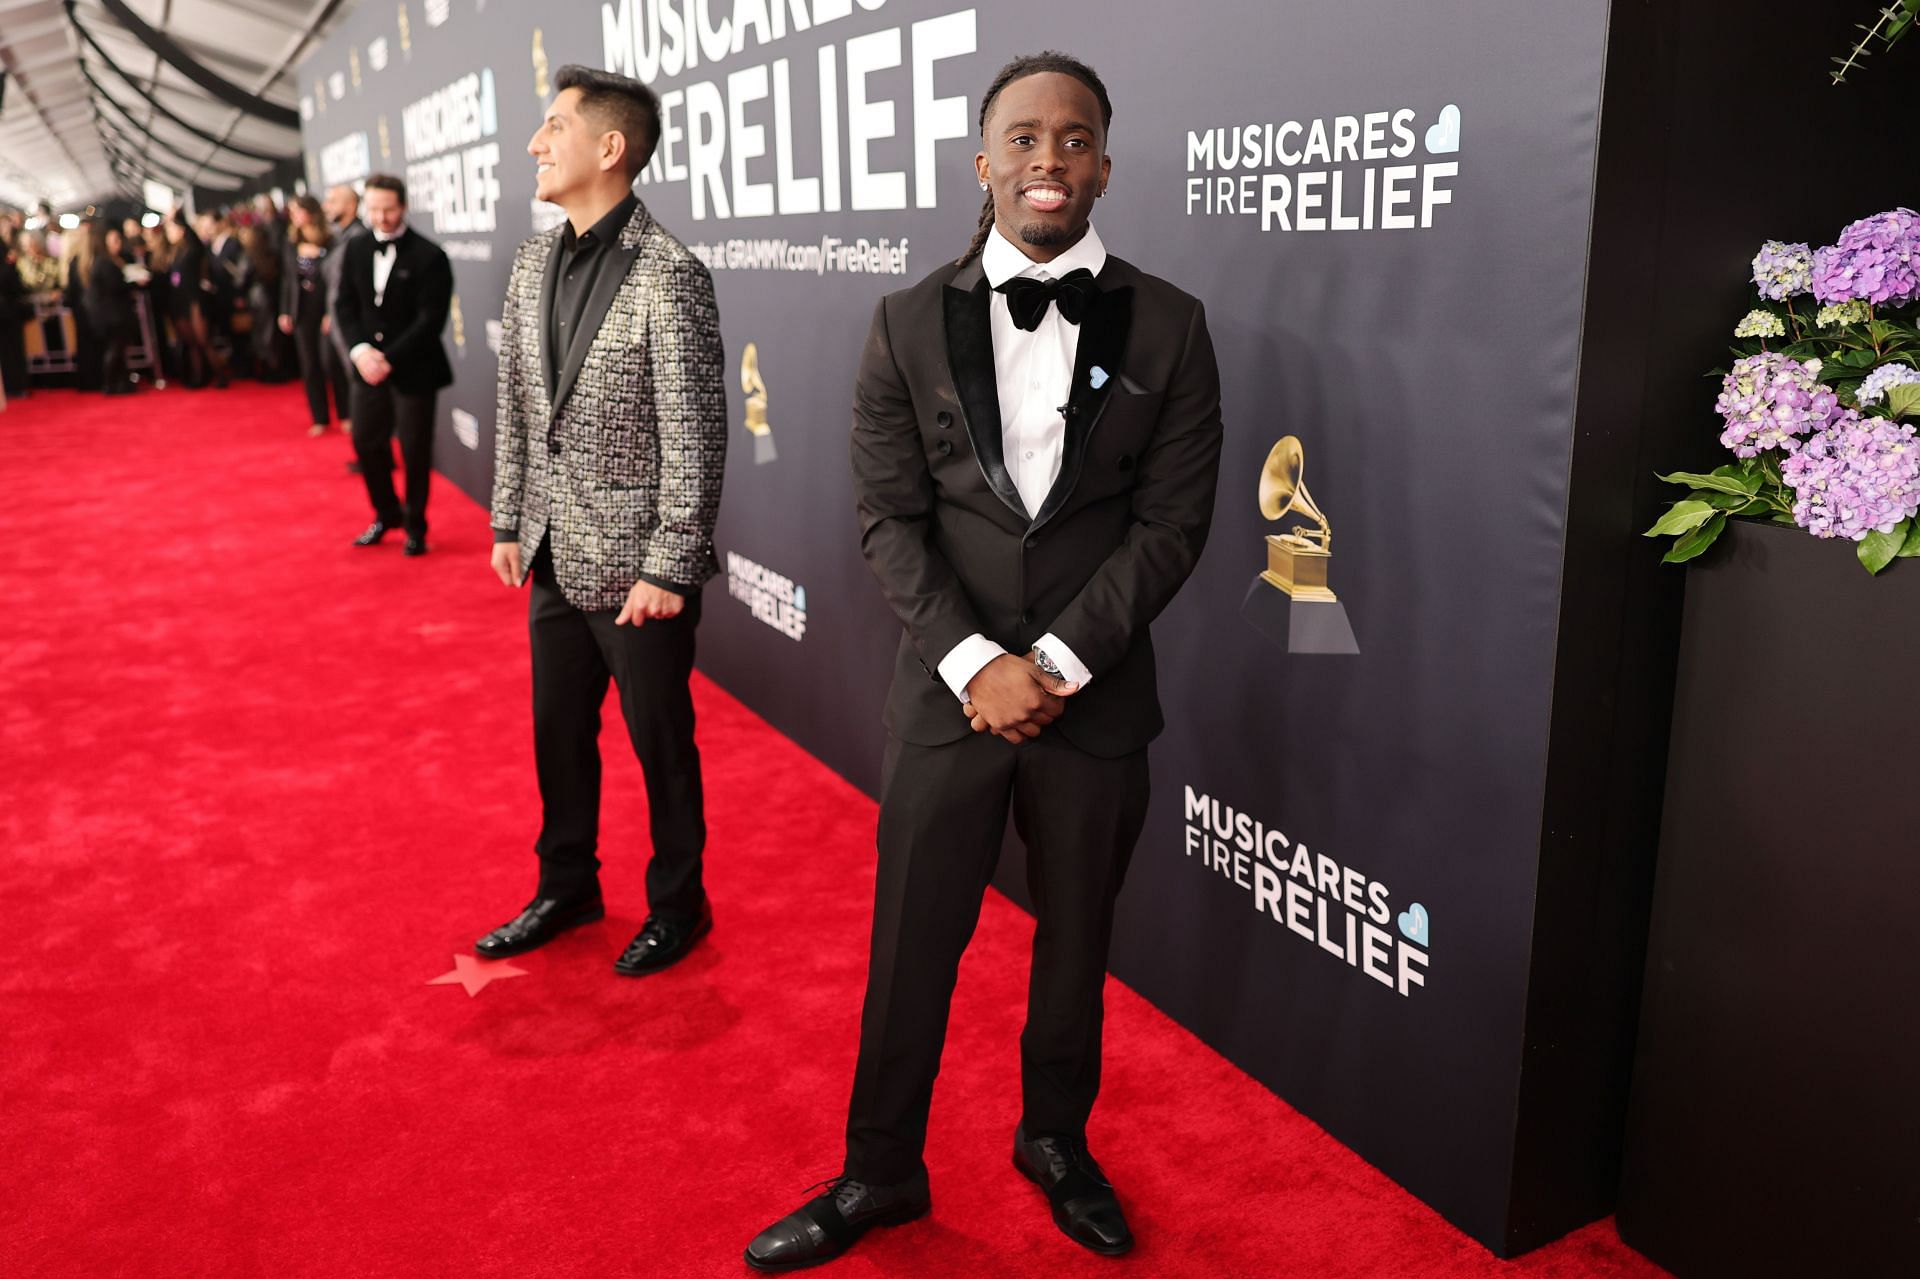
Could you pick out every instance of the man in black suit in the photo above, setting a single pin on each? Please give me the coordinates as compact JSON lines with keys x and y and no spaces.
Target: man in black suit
{"x":342,"y":208}
{"x":395,"y":289}
{"x":1025,"y":552}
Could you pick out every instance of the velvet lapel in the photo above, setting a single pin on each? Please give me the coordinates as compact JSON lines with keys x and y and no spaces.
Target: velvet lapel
{"x":970,"y":360}
{"x":549,"y":288}
{"x":606,"y":287}
{"x":1103,"y":343}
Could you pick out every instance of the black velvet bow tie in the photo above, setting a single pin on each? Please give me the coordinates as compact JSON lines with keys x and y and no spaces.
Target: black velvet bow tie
{"x":1028,"y":298}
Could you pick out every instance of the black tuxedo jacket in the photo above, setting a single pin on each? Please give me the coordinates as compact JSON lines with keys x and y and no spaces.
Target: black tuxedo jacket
{"x":956,"y":551}
{"x":407,"y":322}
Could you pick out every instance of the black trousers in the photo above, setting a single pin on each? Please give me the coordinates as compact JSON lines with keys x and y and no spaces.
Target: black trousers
{"x":380,"y":413}
{"x":574,"y":654}
{"x":943,"y":814}
{"x":339,"y":376}
{"x":318,"y":373}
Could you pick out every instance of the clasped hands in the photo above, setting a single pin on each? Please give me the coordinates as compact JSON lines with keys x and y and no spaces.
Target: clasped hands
{"x":1012,"y":698}
{"x":644,"y":602}
{"x":373,"y":366}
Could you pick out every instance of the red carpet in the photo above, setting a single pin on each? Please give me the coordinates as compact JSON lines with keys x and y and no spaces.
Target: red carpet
{"x":262,"y":787}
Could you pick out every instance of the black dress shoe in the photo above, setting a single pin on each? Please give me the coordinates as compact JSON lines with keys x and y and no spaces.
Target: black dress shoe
{"x":375,"y":531}
{"x":660,"y":944}
{"x":826,"y":1226}
{"x":544,"y":919}
{"x":416,"y":546}
{"x":1084,"y":1205}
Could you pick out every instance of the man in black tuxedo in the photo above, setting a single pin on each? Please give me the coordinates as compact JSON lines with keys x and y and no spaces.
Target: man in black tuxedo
{"x":1025,"y":552}
{"x":395,"y":290}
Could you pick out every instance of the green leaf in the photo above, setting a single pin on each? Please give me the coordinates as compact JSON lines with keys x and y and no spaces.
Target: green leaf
{"x":1876,"y":550}
{"x":1680,"y":518}
{"x":1742,"y":485}
{"x":1858,"y":359}
{"x":1758,"y":506}
{"x":1692,"y":544}
{"x":1904,"y":400}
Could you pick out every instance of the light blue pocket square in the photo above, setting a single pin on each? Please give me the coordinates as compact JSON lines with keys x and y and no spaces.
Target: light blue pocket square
{"x":1098,"y":377}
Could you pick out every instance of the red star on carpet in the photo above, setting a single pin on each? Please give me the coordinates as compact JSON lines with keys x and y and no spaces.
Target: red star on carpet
{"x":472,"y":975}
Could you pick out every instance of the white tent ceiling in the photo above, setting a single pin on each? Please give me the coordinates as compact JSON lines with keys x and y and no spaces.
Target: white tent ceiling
{"x":53,"y":145}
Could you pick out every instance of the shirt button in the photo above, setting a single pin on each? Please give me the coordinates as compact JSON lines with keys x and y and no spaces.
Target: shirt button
{"x":1033,"y":386}
{"x":1029,"y":455}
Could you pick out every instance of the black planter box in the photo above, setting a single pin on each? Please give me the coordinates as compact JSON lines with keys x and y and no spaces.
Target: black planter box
{"x":1774,"y":1122}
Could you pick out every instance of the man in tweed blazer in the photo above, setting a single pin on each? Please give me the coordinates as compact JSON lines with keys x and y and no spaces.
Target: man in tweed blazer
{"x":608,"y":453}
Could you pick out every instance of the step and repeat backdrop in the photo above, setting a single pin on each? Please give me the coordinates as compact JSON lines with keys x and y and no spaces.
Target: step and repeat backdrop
{"x":1385,"y":209}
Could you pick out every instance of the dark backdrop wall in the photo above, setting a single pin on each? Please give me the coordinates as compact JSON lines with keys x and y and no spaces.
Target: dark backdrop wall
{"x":1387,"y":211}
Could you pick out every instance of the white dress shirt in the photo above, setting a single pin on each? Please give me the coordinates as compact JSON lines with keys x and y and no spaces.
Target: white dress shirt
{"x":1034,"y":373}
{"x":385,"y":251}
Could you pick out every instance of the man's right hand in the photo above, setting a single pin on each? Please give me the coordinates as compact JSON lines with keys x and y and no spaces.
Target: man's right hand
{"x":1014,"y":699}
{"x":506,"y":562}
{"x":373,"y":366}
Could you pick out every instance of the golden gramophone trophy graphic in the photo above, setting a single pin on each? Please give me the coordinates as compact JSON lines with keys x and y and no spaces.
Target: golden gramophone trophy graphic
{"x":756,"y":391}
{"x":541,"y":86}
{"x":1291,"y":602}
{"x":459,"y":325}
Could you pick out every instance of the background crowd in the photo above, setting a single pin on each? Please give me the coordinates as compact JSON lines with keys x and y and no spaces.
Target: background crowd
{"x":194,"y":299}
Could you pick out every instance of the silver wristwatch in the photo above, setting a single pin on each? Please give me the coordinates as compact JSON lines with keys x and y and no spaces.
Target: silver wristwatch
{"x":1047,"y":664}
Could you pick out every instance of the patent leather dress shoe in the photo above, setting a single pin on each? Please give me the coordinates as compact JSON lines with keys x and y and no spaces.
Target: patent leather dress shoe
{"x":660,"y":944}
{"x":375,"y":531}
{"x":1084,"y":1205}
{"x":416,"y":546}
{"x":544,"y":919}
{"x":829,"y":1224}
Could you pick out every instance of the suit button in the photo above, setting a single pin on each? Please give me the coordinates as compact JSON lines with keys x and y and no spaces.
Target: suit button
{"x":943,"y":418}
{"x":1033,"y":541}
{"x":1026,"y":618}
{"x":945,"y":447}
{"x":1126,"y":461}
{"x":379,"y":337}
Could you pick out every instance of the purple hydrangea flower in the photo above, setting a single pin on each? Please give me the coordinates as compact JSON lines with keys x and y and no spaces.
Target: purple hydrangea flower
{"x":1860,"y":475}
{"x":1876,"y":384}
{"x":1876,"y":260}
{"x":1769,"y":400}
{"x":1782,"y":270}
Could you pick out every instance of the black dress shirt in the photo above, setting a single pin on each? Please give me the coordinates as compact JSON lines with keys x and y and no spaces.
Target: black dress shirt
{"x":582,"y":258}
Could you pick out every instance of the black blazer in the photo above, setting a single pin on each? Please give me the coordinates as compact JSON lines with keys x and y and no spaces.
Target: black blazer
{"x":107,"y":297}
{"x":943,"y":527}
{"x":406,"y":324}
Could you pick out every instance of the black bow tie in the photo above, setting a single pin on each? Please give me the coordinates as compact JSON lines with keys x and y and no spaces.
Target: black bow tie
{"x":1028,"y":298}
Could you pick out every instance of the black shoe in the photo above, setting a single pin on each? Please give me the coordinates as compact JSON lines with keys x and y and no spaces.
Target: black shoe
{"x":416,"y":546}
{"x":661,"y":944}
{"x":1084,"y":1205}
{"x":826,"y":1226}
{"x":544,"y":919}
{"x":375,"y":531}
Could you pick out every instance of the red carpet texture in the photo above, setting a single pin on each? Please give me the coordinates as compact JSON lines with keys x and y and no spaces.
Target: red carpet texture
{"x":263,"y":787}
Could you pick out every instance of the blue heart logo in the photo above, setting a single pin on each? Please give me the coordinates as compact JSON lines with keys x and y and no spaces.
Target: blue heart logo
{"x":1098,"y":377}
{"x":1413,"y":924}
{"x":1444,"y":136}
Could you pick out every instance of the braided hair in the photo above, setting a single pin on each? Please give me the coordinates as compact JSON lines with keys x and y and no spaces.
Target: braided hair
{"x":1020,"y":69}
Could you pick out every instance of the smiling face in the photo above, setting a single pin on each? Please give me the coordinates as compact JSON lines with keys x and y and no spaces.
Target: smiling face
{"x":570,"y":154}
{"x":1045,"y":161}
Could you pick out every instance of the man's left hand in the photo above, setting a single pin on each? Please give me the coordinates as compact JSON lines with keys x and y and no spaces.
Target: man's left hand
{"x":647,"y":601}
